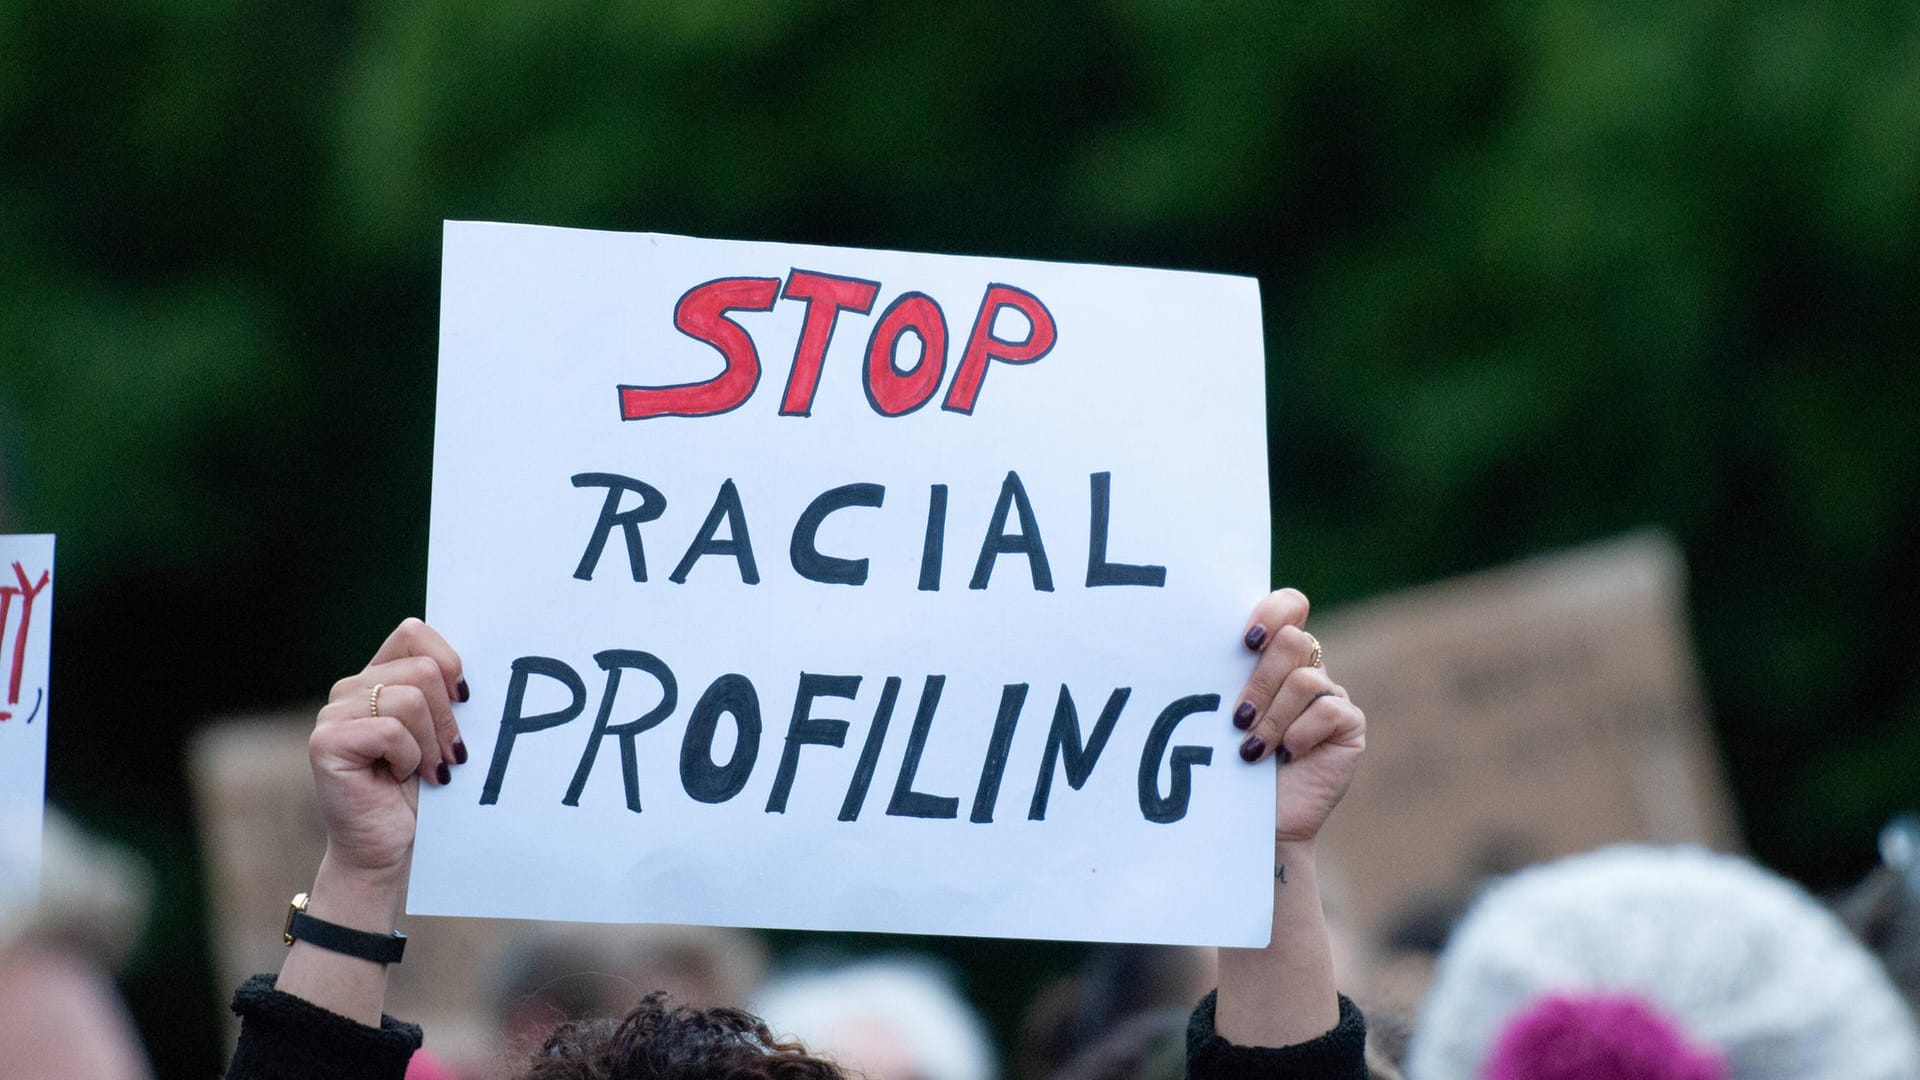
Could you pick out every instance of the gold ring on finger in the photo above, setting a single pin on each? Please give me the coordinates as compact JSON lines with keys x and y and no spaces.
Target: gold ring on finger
{"x":1319,"y":654}
{"x":373,"y":699}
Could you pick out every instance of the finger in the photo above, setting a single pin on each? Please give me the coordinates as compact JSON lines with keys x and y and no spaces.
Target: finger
{"x":410,"y":705}
{"x":415,"y":638}
{"x":362,"y":741}
{"x":1291,"y":726}
{"x":395,"y":689}
{"x":1284,"y":607}
{"x":1297,"y":691}
{"x":422,"y":674}
{"x":1328,"y":721}
{"x":1287,"y":649}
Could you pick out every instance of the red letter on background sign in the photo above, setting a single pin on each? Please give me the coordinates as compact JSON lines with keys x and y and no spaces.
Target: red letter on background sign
{"x":702,"y":315}
{"x":826,"y":296}
{"x":27,"y":591}
{"x":891,"y":391}
{"x":982,"y":346}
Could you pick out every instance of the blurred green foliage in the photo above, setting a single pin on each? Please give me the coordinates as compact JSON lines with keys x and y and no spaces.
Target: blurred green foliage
{"x":1533,"y":273}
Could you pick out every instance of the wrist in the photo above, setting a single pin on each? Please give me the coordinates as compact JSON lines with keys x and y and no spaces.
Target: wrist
{"x":357,"y":897}
{"x":1282,"y":993}
{"x":1298,"y":856}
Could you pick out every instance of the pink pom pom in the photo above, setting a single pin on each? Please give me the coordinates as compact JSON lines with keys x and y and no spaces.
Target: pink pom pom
{"x":424,"y":1066}
{"x":1597,"y":1037}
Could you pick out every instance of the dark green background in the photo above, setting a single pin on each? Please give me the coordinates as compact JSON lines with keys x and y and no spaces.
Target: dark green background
{"x":1534,"y":274}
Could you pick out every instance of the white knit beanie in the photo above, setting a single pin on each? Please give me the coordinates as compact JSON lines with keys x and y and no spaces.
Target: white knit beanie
{"x":1741,"y":960}
{"x":908,"y":998}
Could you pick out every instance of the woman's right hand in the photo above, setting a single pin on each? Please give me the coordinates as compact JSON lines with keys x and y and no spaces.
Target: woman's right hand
{"x":368,"y":762}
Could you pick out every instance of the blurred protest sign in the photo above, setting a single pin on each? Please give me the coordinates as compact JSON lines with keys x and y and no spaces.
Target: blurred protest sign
{"x":26,"y":636}
{"x":262,"y":833}
{"x":832,"y":589}
{"x":1515,"y":715}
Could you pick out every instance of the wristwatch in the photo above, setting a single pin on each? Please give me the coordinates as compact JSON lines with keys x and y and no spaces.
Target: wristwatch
{"x":379,"y":948}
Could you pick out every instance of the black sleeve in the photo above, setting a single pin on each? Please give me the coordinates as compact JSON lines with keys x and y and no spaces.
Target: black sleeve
{"x":283,"y":1037}
{"x":1340,"y":1054}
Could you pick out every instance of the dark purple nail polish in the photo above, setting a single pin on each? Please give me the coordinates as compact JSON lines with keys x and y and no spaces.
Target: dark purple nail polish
{"x":1253,"y":748}
{"x":1243,"y":716}
{"x":459,"y":751}
{"x":460,"y":691}
{"x":1256,"y":637}
{"x":443,"y":774}
{"x":1285,"y":755}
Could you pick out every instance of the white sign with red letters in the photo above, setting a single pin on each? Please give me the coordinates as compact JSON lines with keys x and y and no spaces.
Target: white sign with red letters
{"x":822,"y":588}
{"x":26,"y":634}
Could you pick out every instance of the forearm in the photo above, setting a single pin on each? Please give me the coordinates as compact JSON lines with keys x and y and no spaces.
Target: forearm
{"x":347,"y":985}
{"x":1284,"y":993}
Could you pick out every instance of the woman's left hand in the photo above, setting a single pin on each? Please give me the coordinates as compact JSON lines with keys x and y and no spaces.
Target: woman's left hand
{"x":1291,"y":710}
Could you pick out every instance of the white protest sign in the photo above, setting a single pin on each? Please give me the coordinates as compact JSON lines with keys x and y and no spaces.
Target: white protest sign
{"x":831,"y":589}
{"x":26,"y":634}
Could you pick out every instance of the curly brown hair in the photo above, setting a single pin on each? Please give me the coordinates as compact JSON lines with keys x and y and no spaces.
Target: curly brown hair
{"x":659,"y":1041}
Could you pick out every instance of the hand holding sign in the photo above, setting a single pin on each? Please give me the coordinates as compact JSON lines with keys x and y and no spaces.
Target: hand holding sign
{"x":1284,"y":993}
{"x":1291,"y":709}
{"x":383,"y":732}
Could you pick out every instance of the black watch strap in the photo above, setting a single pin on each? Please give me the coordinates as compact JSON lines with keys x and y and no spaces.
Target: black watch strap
{"x":379,"y":948}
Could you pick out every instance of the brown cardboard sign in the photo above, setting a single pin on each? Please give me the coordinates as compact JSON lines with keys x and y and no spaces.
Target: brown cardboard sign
{"x":467,"y":981}
{"x":263,"y":838}
{"x":1514,"y":715}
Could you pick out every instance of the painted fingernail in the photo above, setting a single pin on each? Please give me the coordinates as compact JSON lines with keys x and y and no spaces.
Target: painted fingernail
{"x":1285,"y":755}
{"x":460,"y":691}
{"x":1256,"y":637}
{"x":443,"y":774}
{"x":1243,"y":716}
{"x":459,"y":751}
{"x":1253,"y":748}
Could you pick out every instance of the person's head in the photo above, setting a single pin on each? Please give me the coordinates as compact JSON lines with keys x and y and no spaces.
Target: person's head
{"x":576,"y":971}
{"x":1645,"y":963}
{"x":59,"y":947}
{"x":660,"y":1041}
{"x":1113,"y":984}
{"x":1884,"y":910}
{"x":892,"y":1018}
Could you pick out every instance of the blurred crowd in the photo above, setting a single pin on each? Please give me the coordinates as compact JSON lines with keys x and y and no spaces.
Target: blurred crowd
{"x":1632,"y":962}
{"x":1625,"y":961}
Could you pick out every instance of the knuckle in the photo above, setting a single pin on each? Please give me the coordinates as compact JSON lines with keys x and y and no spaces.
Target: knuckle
{"x":342,"y":688}
{"x":1292,"y":642}
{"x":406,"y":697}
{"x":421,"y":671}
{"x":321,"y":743}
{"x":1307,"y":680}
